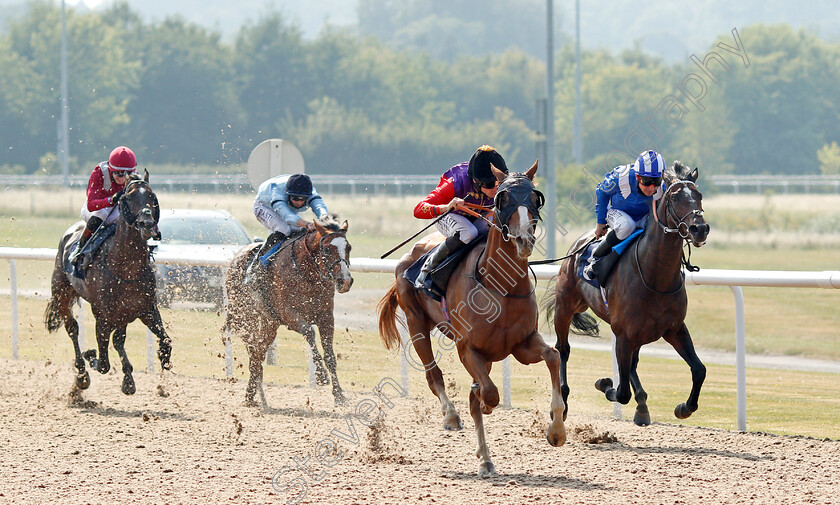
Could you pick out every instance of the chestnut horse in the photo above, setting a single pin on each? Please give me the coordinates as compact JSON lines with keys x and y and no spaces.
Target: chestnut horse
{"x":492,"y":311}
{"x":305,"y":273}
{"x":119,"y":285}
{"x":645,"y":294}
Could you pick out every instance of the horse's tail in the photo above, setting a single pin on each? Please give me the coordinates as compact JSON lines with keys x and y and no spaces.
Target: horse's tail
{"x":387,"y":308}
{"x":52,"y":317}
{"x":584,"y":324}
{"x":548,"y":301}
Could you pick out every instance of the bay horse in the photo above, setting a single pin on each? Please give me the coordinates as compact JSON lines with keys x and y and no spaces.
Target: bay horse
{"x":645,"y":294}
{"x":119,"y":285}
{"x":492,"y":311}
{"x":305,"y":273}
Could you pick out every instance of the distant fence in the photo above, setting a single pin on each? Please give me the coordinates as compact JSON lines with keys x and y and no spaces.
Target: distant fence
{"x":400,"y":185}
{"x":734,"y":279}
{"x":327,"y":184}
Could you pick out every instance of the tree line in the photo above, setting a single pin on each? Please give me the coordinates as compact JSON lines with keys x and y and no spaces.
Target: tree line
{"x":182,"y":97}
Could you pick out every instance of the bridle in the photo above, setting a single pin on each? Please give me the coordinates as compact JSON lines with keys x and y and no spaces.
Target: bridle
{"x":682,"y":227}
{"x":320,"y":256}
{"x":125,"y":211}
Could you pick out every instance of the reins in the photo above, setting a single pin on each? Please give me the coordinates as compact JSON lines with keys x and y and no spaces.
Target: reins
{"x":477,"y":278}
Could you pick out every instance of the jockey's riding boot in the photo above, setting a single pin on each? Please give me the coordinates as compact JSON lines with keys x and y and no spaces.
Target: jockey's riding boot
{"x":604,"y":248}
{"x":257,"y":273}
{"x":446,"y":249}
{"x":92,"y":224}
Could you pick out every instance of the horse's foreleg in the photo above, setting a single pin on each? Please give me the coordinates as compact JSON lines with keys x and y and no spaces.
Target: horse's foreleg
{"x":308,"y":331}
{"x":128,"y":386}
{"x":485,"y":465}
{"x":153,"y":321}
{"x":681,"y":340}
{"x":479,"y":369}
{"x":624,"y":357}
{"x":422,"y":344}
{"x":534,"y":350}
{"x":327,"y":332}
{"x":642,"y":415}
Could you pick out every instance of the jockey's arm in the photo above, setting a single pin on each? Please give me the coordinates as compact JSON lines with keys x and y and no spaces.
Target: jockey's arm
{"x":440,"y":200}
{"x":97,"y":196}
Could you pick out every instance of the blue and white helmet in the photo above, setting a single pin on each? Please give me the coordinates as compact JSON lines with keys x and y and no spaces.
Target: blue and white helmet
{"x":649,"y":164}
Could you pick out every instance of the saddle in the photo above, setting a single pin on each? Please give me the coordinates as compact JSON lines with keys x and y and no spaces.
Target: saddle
{"x":436,"y":282}
{"x":603,"y":267}
{"x":92,"y":246}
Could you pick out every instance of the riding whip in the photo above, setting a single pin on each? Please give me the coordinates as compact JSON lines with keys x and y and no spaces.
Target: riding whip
{"x":404,"y":242}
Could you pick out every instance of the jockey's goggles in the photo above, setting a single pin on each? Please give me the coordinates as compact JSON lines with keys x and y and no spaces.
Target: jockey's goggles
{"x":297,"y":198}
{"x":486,"y":184}
{"x":649,"y":181}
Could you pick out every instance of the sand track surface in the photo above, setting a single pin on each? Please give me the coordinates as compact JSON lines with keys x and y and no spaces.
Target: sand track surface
{"x":192,"y":441}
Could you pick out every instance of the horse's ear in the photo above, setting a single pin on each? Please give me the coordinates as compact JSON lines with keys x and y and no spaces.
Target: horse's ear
{"x":500,"y":176}
{"x":694,"y":174}
{"x":533,"y":170}
{"x":145,"y":175}
{"x":344,"y":225}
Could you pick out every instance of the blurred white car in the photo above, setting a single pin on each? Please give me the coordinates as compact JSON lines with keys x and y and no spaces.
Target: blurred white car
{"x":191,"y":233}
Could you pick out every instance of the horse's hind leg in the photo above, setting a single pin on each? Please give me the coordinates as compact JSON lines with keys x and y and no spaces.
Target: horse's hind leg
{"x":681,"y":340}
{"x":534,"y":350}
{"x":128,"y":386}
{"x":624,"y":357}
{"x":422,"y":344}
{"x":562,"y":321}
{"x":60,"y":308}
{"x":642,"y":415}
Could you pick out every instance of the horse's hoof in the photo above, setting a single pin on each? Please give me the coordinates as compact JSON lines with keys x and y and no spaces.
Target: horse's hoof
{"x":556,"y":439}
{"x":453,"y":424}
{"x":83,"y":380}
{"x":340,"y":400}
{"x":682,"y":411}
{"x":166,"y":365}
{"x":128,"y":387}
{"x":603,"y":384}
{"x":486,"y":469}
{"x":249,"y":402}
{"x":641,"y":418}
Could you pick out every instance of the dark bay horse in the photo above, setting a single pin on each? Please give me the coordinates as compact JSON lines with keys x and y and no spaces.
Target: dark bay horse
{"x":492,"y":311}
{"x":119,"y":285}
{"x":305,"y":273}
{"x":645,"y":294}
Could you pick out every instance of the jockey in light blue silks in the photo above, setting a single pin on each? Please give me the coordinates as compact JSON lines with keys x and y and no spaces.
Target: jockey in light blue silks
{"x":277,"y":206}
{"x":623,"y":201}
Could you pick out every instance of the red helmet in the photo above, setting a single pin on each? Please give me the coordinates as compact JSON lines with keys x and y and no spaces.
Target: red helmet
{"x":122,"y":159}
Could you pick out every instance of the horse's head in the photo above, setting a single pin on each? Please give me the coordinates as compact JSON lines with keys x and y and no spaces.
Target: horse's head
{"x":517,"y":208}
{"x":139,"y":206}
{"x":333,"y":252}
{"x":681,"y":207}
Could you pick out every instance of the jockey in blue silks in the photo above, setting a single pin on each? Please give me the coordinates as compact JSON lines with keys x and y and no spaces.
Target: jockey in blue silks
{"x":277,"y":206}
{"x":623,"y":201}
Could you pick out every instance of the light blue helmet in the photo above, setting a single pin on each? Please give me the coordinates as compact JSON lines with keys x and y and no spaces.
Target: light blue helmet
{"x":649,"y":164}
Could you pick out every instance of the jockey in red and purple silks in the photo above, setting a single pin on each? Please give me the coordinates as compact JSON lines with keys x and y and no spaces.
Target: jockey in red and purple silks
{"x":469,"y":182}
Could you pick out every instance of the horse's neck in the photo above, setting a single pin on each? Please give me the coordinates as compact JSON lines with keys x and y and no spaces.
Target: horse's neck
{"x":306,"y":253}
{"x":128,"y":253}
{"x":501,"y":268}
{"x":660,"y":255}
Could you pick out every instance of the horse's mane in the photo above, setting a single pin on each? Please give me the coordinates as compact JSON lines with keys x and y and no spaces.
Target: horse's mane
{"x":331,"y":222}
{"x":677,"y":171}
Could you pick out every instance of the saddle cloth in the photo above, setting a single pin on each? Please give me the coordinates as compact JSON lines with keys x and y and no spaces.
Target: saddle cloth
{"x":604,"y":266}
{"x":79,"y":271}
{"x":436,"y":282}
